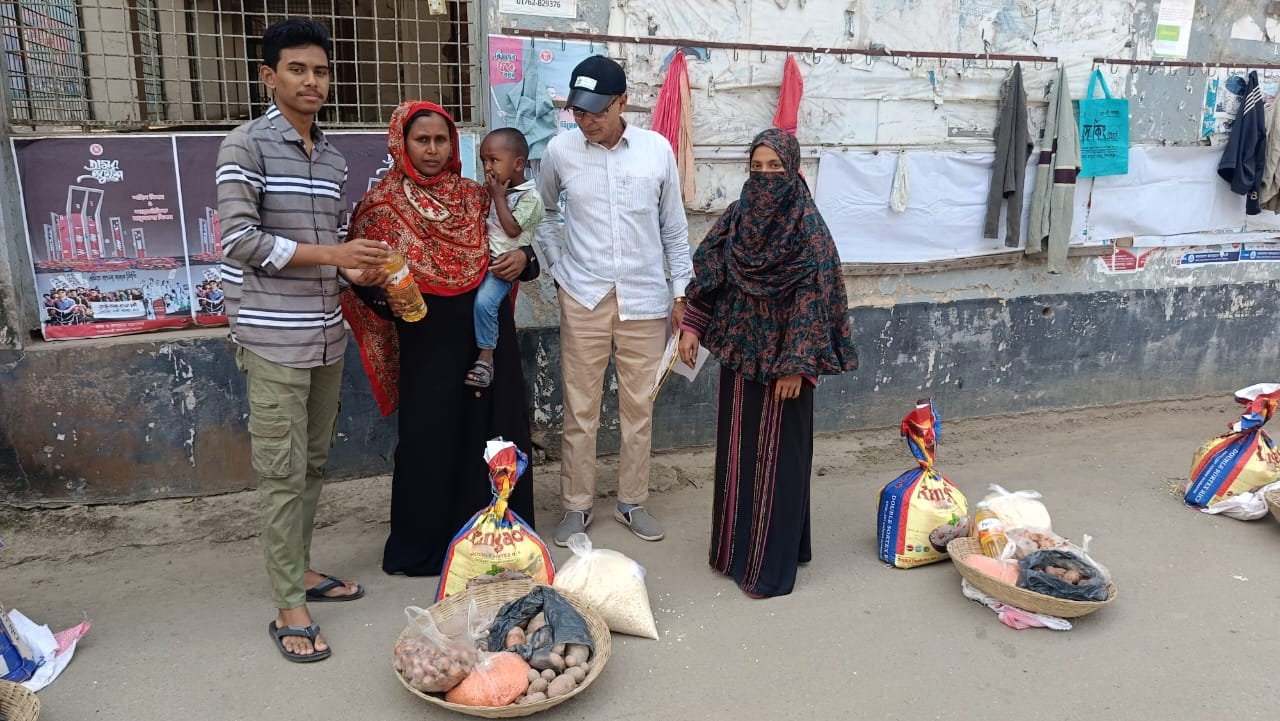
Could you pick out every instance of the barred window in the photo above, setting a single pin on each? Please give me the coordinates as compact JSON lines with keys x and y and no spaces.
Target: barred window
{"x":137,"y":64}
{"x":44,"y":61}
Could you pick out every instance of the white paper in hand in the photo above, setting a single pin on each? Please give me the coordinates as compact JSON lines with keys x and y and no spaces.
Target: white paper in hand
{"x":671,"y":362}
{"x":681,"y":369}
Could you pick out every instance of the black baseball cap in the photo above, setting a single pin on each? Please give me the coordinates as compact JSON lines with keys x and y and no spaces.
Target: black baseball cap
{"x":595,"y":83}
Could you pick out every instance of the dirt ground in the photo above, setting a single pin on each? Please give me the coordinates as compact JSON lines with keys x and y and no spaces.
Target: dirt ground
{"x":180,"y":604}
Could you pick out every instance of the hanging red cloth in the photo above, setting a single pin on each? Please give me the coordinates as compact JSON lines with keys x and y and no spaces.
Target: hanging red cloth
{"x":787,"y":117}
{"x":673,"y":119}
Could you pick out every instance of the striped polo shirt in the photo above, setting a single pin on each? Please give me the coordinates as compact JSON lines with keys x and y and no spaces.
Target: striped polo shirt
{"x":271,"y":197}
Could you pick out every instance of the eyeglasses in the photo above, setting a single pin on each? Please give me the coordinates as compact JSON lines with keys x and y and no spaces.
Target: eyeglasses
{"x":580,"y":113}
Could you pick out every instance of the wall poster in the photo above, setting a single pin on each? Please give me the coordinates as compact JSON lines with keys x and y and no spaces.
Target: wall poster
{"x":124,"y":233}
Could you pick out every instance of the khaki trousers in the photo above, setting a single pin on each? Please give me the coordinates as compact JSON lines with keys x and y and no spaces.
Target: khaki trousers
{"x":293,"y":418}
{"x":586,"y":339}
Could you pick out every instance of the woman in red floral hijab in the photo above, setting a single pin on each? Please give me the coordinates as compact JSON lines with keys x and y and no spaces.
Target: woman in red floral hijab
{"x":428,"y":212}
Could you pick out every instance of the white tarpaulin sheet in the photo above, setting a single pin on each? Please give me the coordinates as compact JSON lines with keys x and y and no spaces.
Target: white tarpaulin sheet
{"x":946,"y":205}
{"x":1171,"y":191}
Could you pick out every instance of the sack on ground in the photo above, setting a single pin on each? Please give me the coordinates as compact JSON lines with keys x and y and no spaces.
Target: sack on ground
{"x":429,"y":660}
{"x":1062,"y":575}
{"x":611,"y":583}
{"x":1018,"y":508}
{"x":1241,"y":461}
{"x":17,"y":663}
{"x":1247,"y":506}
{"x":496,"y":539}
{"x":920,"y":511}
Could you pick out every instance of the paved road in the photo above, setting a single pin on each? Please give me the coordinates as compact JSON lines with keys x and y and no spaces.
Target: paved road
{"x":180,"y":626}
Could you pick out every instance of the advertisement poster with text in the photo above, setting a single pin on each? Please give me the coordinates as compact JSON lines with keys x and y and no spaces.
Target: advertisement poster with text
{"x":198,"y":159}
{"x":124,"y":231}
{"x":529,"y":83}
{"x":103,"y":228}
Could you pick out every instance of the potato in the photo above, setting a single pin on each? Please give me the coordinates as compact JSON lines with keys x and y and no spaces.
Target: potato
{"x":561,"y":686}
{"x":539,"y":684}
{"x":558,"y":649}
{"x":545,"y":660}
{"x":536,"y":623}
{"x":534,"y":675}
{"x":535,"y":697}
{"x":576,"y":654}
{"x":549,"y":674}
{"x":515,"y":637}
{"x":576,"y":672}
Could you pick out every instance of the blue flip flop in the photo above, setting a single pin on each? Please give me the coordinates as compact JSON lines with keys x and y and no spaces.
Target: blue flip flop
{"x":316,"y":594}
{"x":308,"y":632}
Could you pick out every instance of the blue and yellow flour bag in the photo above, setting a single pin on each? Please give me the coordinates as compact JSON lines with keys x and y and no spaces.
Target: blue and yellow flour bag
{"x":1244,"y":459}
{"x":497,"y":539}
{"x":920,"y":511}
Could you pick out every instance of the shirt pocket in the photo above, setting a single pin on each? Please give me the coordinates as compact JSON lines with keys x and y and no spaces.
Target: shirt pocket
{"x":640,"y":194}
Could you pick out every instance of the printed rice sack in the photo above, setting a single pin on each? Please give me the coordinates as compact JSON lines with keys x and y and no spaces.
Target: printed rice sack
{"x":1240,"y":461}
{"x":920,"y":511}
{"x":496,"y":539}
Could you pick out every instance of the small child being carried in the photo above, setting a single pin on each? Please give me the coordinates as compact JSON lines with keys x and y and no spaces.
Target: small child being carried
{"x":515,"y":213}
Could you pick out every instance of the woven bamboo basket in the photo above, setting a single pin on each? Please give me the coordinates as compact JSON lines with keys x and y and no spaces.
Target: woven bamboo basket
{"x":1272,"y":498}
{"x":1021,"y":598}
{"x":17,"y":703}
{"x":491,"y":597}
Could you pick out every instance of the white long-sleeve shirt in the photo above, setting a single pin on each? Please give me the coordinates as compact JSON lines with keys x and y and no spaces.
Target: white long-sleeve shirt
{"x":622,"y":222}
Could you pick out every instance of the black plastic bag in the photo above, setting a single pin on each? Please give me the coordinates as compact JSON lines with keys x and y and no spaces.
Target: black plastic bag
{"x":1035,"y":576}
{"x":564,"y":623}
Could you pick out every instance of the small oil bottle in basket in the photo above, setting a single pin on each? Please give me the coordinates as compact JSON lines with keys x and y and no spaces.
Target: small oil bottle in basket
{"x":990,"y":531}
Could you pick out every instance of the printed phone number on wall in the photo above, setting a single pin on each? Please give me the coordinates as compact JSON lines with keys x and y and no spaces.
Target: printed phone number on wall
{"x":539,"y":3}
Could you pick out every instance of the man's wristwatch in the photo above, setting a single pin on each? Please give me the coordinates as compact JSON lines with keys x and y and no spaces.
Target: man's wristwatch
{"x":680,"y":299}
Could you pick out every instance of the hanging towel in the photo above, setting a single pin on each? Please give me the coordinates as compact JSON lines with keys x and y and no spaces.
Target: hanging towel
{"x":673,"y":119}
{"x":787,"y":116}
{"x":1054,"y":196}
{"x":1244,"y":158}
{"x":1008,"y":174}
{"x":529,"y":109}
{"x":1269,"y":198}
{"x":901,"y":190}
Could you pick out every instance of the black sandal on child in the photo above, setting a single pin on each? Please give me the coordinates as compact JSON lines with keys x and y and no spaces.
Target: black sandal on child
{"x":480,"y":375}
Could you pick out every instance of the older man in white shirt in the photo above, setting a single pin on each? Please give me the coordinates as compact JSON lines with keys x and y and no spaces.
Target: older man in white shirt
{"x":623,"y":231}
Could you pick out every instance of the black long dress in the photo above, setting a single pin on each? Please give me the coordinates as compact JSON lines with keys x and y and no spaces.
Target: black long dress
{"x":440,"y":477}
{"x":760,"y":527}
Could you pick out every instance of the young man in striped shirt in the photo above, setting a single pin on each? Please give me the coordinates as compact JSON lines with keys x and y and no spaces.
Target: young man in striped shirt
{"x":282,"y":209}
{"x":624,"y":230}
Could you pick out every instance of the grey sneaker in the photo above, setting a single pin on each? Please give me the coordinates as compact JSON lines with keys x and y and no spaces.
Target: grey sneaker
{"x":640,"y":522}
{"x":574,"y":522}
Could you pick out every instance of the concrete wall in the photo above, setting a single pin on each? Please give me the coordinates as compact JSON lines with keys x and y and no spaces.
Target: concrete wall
{"x":144,"y":417}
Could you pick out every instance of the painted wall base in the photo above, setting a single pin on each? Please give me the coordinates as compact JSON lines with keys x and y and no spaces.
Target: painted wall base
{"x":139,"y":418}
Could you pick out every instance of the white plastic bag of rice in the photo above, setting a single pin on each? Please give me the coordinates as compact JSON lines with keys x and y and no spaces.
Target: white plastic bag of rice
{"x":612,"y":583}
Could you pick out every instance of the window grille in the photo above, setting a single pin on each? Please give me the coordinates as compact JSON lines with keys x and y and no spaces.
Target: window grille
{"x":138,"y":64}
{"x":44,"y":61}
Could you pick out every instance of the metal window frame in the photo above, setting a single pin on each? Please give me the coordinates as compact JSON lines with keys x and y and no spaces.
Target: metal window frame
{"x":189,"y":64}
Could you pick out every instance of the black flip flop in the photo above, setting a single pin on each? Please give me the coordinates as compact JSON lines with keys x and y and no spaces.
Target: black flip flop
{"x":316,"y":594}
{"x":308,"y":632}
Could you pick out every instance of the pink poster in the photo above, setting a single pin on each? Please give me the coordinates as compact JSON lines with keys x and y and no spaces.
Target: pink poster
{"x":506,"y":60}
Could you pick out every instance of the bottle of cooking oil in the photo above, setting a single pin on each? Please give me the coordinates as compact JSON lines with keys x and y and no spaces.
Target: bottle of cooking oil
{"x":990,"y":531}
{"x":401,"y":286}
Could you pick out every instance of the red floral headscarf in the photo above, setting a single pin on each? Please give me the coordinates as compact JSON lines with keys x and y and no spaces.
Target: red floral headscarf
{"x":437,"y":223}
